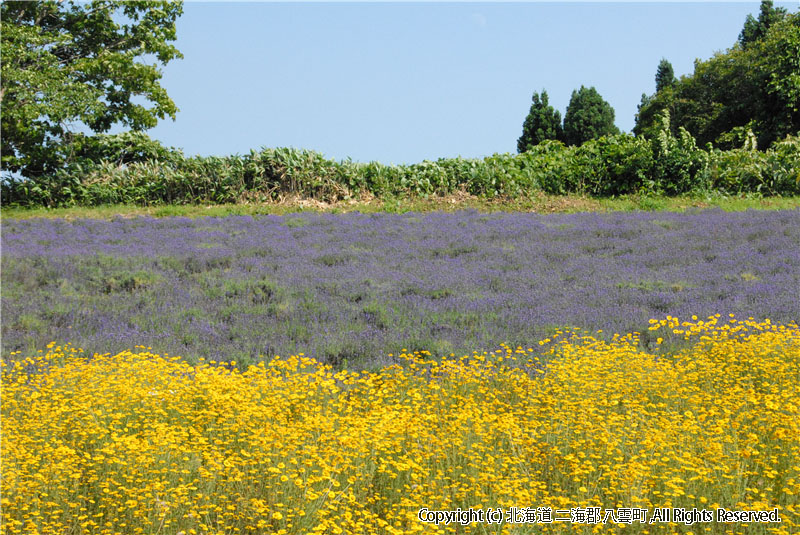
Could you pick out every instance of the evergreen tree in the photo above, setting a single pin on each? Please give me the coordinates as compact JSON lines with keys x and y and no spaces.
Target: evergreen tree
{"x":665,"y":75}
{"x":588,"y":117}
{"x":755,"y":29}
{"x":543,"y":122}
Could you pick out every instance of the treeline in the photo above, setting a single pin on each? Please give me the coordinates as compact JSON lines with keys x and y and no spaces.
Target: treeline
{"x":750,"y":92}
{"x":134,"y":169}
{"x":746,"y":95}
{"x":733,"y":126}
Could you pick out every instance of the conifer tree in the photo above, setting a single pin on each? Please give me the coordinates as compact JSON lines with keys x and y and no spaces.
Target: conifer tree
{"x":588,"y":117}
{"x":543,"y":122}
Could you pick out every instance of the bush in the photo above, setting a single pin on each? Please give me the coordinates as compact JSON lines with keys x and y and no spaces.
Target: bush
{"x":615,"y":165}
{"x":774,"y":172}
{"x":679,"y":166}
{"x":736,"y":171}
{"x":783,"y":167}
{"x":547,"y":164}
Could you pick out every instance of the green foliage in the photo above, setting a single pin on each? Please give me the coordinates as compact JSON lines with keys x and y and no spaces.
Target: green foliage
{"x":69,"y":63}
{"x":607,"y":166}
{"x":547,"y":164}
{"x":616,"y":164}
{"x":122,"y":149}
{"x":665,"y":75}
{"x":679,"y":165}
{"x":755,"y":29}
{"x":543,"y":122}
{"x":754,"y":85}
{"x":744,"y":170}
{"x":777,"y":58}
{"x":588,"y":117}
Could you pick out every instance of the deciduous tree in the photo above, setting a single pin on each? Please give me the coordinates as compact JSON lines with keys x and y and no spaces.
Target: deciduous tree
{"x":69,"y":64}
{"x":745,"y":88}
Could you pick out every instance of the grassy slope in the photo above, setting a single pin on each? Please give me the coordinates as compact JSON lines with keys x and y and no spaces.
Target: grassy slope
{"x":541,"y":203}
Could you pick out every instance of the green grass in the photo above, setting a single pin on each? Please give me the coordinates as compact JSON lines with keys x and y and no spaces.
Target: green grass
{"x":540,"y":203}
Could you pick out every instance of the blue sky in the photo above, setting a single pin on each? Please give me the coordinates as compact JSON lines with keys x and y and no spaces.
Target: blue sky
{"x":403,"y":82}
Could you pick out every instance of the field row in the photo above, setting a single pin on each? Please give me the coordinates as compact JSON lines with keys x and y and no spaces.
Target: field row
{"x":346,"y":289}
{"x":142,"y":443}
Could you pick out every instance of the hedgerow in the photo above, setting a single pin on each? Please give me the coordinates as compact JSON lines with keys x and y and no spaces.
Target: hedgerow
{"x":137,"y":170}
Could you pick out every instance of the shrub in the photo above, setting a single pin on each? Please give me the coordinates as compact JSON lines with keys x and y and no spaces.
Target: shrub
{"x":783,"y":167}
{"x":615,"y":165}
{"x":679,"y":165}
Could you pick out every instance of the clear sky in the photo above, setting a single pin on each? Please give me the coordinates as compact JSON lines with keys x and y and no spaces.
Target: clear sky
{"x":404,"y":82}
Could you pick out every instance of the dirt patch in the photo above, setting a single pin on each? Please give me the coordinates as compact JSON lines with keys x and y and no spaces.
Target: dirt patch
{"x":542,"y":202}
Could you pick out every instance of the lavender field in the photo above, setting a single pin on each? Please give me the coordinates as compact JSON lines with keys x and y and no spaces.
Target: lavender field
{"x":349,"y":289}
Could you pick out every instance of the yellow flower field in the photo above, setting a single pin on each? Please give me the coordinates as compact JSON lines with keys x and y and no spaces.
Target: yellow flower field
{"x":142,"y":443}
